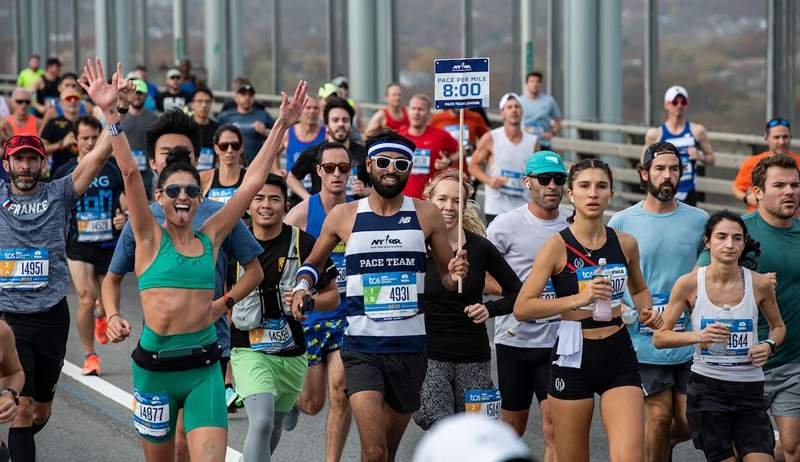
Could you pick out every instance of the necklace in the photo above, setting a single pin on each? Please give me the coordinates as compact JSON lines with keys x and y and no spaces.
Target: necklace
{"x":585,"y":250}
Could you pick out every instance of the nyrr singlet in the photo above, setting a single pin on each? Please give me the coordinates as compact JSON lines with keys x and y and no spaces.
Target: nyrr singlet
{"x":508,"y":161}
{"x":580,"y":267}
{"x":295,"y":147}
{"x":386,"y":261}
{"x":220,"y":193}
{"x":683,"y":141}
{"x":316,"y":217}
{"x":732,"y":363}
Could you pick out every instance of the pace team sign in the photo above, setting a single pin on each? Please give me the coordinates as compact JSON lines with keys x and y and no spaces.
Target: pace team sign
{"x":461,"y":83}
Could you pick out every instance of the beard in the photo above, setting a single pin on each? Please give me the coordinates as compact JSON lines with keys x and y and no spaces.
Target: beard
{"x":340,"y":136}
{"x":25,"y":184}
{"x":664,"y":193}
{"x":388,"y":192}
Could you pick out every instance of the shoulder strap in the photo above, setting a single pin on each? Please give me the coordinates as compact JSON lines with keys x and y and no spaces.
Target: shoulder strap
{"x":292,"y":262}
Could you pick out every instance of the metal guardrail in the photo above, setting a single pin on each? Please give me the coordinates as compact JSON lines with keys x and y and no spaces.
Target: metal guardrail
{"x":731,"y":149}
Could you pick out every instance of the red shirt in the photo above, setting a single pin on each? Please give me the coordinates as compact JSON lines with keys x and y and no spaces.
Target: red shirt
{"x":430,"y":145}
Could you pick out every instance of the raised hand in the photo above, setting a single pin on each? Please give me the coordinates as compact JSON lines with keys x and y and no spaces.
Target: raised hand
{"x":126,"y":87}
{"x":102,"y":93}
{"x":291,"y":109}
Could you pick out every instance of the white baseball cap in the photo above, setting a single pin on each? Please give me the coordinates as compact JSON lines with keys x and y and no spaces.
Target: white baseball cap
{"x":470,"y":438}
{"x":504,"y":99}
{"x":675,"y":91}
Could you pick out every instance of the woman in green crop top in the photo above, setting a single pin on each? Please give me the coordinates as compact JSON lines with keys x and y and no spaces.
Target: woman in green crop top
{"x":175,"y":360}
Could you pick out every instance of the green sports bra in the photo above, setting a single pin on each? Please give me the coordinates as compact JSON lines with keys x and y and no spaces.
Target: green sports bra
{"x":172,"y":269}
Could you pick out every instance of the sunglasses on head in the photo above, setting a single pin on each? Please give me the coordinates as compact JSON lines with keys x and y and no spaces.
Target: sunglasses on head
{"x":24,"y":140}
{"x":778,"y":121}
{"x":544,"y":179}
{"x":174,"y":190}
{"x":22,"y":101}
{"x":401,"y":165}
{"x":235,"y":145}
{"x":680,"y":101}
{"x":344,"y":167}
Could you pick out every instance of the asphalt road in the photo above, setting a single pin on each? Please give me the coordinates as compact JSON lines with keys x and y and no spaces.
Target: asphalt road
{"x":87,"y":426}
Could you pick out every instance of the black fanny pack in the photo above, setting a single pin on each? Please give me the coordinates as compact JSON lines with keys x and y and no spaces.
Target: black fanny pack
{"x":179,"y":359}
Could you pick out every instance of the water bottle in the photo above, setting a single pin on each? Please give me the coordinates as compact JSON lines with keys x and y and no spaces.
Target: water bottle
{"x":629,"y":314}
{"x":724,"y":316}
{"x":602,"y":308}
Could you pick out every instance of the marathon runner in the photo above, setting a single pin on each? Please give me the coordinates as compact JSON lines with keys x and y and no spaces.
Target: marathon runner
{"x":593,"y":353}
{"x":542,"y":116}
{"x":95,"y":224}
{"x":387,"y":236}
{"x":324,"y":330}
{"x":202,"y":99}
{"x":436,"y":149}
{"x":725,"y":407}
{"x":304,"y":134}
{"x":690,"y":138}
{"x":176,"y":129}
{"x":135,"y":122}
{"x":504,"y":151}
{"x":12,"y":378}
{"x":20,"y":121}
{"x":269,"y":350}
{"x":175,"y":363}
{"x":665,"y":373}
{"x":219,"y":184}
{"x":459,"y":373}
{"x":526,"y":346}
{"x":34,"y":224}
{"x":776,"y":185}
{"x":778,"y":135}
{"x":394,"y":115}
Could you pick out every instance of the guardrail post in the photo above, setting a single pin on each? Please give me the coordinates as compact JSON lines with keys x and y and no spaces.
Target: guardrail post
{"x":214,"y":43}
{"x":361,"y":37}
{"x":780,"y":58}
{"x":652,"y":109}
{"x":527,"y":30}
{"x":178,"y":30}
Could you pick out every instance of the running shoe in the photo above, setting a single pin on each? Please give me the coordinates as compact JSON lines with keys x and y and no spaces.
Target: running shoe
{"x":230,"y":399}
{"x":100,"y":330}
{"x":91,"y":365}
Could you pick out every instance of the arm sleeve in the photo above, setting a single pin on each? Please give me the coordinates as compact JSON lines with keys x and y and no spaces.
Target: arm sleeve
{"x":505,"y":276}
{"x":122,"y":262}
{"x":242,"y":245}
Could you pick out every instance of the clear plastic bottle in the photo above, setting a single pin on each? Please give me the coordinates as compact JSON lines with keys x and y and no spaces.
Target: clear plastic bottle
{"x":724,"y":316}
{"x":602,"y":308}
{"x":629,"y":314}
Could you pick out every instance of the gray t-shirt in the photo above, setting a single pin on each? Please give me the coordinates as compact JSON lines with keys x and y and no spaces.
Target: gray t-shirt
{"x":519,"y":235}
{"x":135,"y":127}
{"x":33,"y":239}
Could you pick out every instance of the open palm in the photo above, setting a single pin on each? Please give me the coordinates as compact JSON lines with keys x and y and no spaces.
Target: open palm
{"x":290,"y":110}
{"x":102,"y":93}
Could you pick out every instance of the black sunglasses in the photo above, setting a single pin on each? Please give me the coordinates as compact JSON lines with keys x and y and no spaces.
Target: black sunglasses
{"x":544,"y":179}
{"x":344,"y":167}
{"x":22,"y":101}
{"x":401,"y":165}
{"x":233,"y":144}
{"x":174,"y":190}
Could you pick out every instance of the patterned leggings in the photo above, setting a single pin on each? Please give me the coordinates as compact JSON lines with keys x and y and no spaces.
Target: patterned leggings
{"x":444,"y":387}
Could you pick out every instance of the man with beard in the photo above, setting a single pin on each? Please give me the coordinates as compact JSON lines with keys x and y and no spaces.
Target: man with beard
{"x":34,"y":224}
{"x":387,"y":236}
{"x":338,"y":118}
{"x":663,"y":257}
{"x":524,"y":348}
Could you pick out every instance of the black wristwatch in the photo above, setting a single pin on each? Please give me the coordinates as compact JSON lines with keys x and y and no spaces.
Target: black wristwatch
{"x":14,"y":394}
{"x":229,"y":301}
{"x":772,"y":346}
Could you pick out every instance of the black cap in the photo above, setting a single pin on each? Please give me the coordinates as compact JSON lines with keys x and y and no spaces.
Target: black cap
{"x":657,"y":149}
{"x":245,"y":88}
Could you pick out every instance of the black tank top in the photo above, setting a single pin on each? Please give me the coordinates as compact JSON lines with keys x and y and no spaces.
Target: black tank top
{"x":580,"y":267}
{"x":221,"y":193}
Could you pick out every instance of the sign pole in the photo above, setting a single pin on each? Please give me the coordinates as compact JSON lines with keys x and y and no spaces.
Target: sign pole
{"x":460,"y":186}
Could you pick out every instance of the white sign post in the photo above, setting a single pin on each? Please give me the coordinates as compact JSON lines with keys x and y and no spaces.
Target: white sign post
{"x":461,"y":84}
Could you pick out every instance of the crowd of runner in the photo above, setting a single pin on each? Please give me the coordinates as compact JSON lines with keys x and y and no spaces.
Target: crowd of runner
{"x":308,"y":255}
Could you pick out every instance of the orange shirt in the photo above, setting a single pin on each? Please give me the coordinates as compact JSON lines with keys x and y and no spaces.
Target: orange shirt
{"x":474,"y":125}
{"x":744,"y":179}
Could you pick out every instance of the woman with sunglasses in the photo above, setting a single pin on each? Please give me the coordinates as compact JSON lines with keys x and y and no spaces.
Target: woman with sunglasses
{"x":175,"y":363}
{"x":459,"y":358}
{"x":220,"y":183}
{"x":590,"y":266}
{"x":725,"y":403}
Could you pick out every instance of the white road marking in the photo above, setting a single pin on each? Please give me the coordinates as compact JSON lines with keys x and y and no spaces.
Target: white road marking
{"x":119,"y":396}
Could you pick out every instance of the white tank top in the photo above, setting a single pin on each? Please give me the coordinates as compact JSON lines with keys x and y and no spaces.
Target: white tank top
{"x":733,"y":364}
{"x":508,"y":160}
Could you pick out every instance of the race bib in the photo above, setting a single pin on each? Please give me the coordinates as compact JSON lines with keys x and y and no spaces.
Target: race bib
{"x":140,"y":158}
{"x":221,"y":194}
{"x":549,"y":293}
{"x":422,"y":162}
{"x":619,"y":276}
{"x":453,"y":131}
{"x":390,"y":296}
{"x":513,"y":186}
{"x":338,"y":260}
{"x":151,"y":414}
{"x":660,"y":301}
{"x":24,"y":268}
{"x":484,"y":402}
{"x":275,"y":336}
{"x":206,"y":160}
{"x":94,"y":226}
{"x":742,"y":336}
{"x":688,"y":168}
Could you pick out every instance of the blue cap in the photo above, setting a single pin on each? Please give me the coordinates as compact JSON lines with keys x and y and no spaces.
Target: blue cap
{"x":544,"y":162}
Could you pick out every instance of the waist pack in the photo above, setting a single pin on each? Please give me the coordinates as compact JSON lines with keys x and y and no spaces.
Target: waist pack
{"x":181,"y":359}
